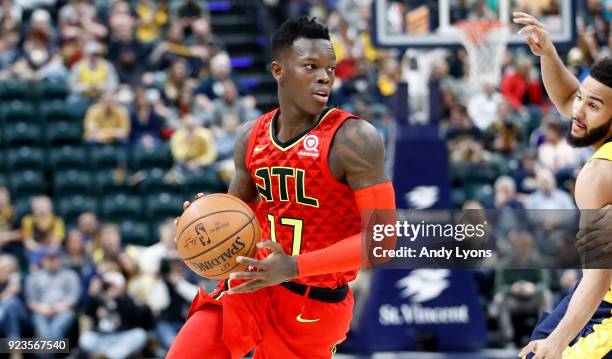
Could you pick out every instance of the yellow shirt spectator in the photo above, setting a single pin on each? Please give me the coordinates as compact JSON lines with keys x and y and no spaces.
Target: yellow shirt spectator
{"x":40,"y":229}
{"x":150,"y":20}
{"x":193,"y":144}
{"x":106,"y":123}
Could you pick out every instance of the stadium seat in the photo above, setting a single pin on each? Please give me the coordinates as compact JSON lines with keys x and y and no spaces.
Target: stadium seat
{"x":163,"y":205}
{"x":68,"y":157}
{"x":72,"y":182}
{"x":27,"y":183}
{"x":56,"y":111}
{"x":202,"y":181}
{"x":120,"y":206}
{"x":158,"y":156}
{"x":154,"y":181}
{"x":21,"y":133}
{"x":107,"y":156}
{"x":25,"y":158}
{"x":63,"y":133}
{"x":14,"y":90}
{"x":70,"y":207}
{"x":136,"y":233}
{"x":18,"y":111}
{"x":51,"y":90}
{"x":111,"y":181}
{"x":22,"y":205}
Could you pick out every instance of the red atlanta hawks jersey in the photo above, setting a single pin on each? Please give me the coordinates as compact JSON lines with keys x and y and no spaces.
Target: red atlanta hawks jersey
{"x":303,"y":207}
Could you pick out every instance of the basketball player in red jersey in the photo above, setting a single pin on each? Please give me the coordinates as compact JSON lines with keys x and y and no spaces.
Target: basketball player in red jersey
{"x":308,"y":171}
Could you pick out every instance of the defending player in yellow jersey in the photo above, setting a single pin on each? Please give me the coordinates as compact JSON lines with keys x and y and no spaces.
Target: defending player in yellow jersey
{"x":580,"y":327}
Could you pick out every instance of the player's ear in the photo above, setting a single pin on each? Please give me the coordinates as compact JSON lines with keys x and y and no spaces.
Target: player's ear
{"x":277,"y":70}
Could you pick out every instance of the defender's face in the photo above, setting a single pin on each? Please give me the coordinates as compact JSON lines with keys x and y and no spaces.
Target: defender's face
{"x":308,"y":74}
{"x":591,"y":114}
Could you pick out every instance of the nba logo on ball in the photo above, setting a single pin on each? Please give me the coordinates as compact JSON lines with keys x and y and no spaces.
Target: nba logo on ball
{"x":311,"y":144}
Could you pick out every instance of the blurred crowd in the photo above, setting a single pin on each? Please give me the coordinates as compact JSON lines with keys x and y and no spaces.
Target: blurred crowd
{"x":151,"y":72}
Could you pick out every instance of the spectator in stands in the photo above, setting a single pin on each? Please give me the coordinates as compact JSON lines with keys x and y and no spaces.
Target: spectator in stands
{"x":225,"y":136}
{"x":77,"y":259}
{"x":483,"y":107}
{"x":521,"y":86}
{"x":89,"y":228}
{"x":220,"y":70}
{"x":10,"y":21}
{"x":146,"y":122}
{"x":152,"y":16}
{"x":107,"y":121}
{"x":52,"y":293}
{"x":520,"y":292}
{"x":538,"y":135}
{"x":505,"y":193}
{"x":110,"y":244}
{"x":389,"y":77}
{"x":525,"y":175}
{"x":124,"y":50}
{"x":92,"y":76}
{"x":464,"y":139}
{"x":170,"y":299}
{"x":548,"y":196}
{"x":176,"y":82}
{"x":151,"y":257}
{"x":114,"y":332}
{"x":555,"y":153}
{"x":174,"y":48}
{"x":506,"y":131}
{"x":38,"y":48}
{"x":193,"y":148}
{"x":42,"y":227}
{"x":8,"y":219}
{"x":139,"y":285}
{"x":231,"y":102}
{"x":79,"y":25}
{"x":203,"y":40}
{"x":13,"y":312}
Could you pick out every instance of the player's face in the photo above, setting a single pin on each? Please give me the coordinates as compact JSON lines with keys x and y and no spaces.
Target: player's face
{"x":308,"y":74}
{"x":591,"y":114}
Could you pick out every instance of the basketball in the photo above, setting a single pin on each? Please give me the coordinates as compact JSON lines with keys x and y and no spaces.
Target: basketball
{"x":213,"y":231}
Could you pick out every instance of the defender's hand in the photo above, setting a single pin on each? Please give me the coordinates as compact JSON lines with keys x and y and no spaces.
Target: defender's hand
{"x":543,"y":349}
{"x":186,"y":205}
{"x":276,"y":268}
{"x":539,"y":40}
{"x":594,"y":242}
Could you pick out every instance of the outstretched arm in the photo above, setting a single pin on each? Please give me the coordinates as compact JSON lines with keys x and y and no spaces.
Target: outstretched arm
{"x":560,"y":84}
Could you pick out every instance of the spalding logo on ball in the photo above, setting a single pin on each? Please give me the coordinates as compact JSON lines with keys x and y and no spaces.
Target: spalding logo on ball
{"x":213,"y":231}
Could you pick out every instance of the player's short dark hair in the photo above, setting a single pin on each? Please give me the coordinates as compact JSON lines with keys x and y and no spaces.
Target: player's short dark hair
{"x":602,"y":71}
{"x":295,"y":28}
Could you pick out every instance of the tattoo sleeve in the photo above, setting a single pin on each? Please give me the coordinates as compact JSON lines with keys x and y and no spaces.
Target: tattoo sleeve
{"x":360,"y":151}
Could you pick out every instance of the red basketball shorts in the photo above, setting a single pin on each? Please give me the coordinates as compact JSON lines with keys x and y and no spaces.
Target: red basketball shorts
{"x":274,"y":321}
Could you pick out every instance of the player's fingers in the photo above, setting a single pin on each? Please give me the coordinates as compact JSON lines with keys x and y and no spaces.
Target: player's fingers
{"x":186,"y":204}
{"x":527,"y":349}
{"x":246,"y":275}
{"x":247,"y":287}
{"x":522,"y":18}
{"x":530,"y":29}
{"x":250,"y":262}
{"x":601,"y":213}
{"x":199,"y":195}
{"x":273,"y":246}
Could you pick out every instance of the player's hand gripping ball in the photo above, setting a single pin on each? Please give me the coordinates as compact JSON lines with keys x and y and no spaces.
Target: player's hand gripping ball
{"x":215,"y":230}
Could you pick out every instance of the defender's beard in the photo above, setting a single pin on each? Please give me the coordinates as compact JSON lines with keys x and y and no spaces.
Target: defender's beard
{"x":590,"y":137}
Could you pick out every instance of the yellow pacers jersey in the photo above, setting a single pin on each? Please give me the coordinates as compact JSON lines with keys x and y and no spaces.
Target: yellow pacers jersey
{"x":605,"y":153}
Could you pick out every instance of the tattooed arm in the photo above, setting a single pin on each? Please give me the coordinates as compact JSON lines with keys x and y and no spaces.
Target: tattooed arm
{"x":357,"y":156}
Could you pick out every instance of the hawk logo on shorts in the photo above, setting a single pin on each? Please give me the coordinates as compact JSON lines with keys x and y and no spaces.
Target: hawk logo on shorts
{"x":311,"y":146}
{"x":201,"y":231}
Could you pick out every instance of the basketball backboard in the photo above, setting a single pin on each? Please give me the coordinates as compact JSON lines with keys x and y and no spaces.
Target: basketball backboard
{"x":430,"y":23}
